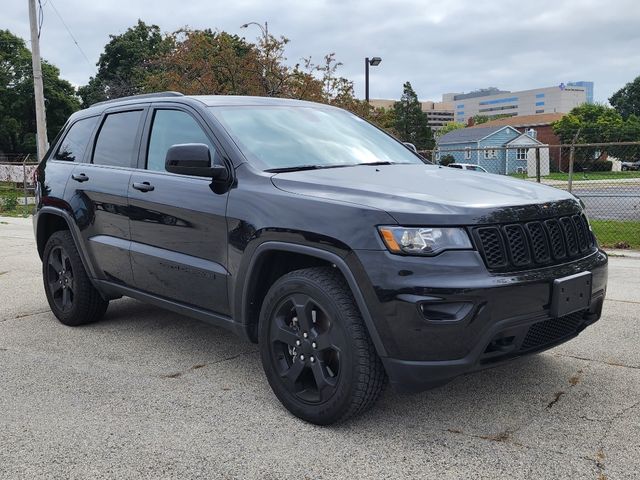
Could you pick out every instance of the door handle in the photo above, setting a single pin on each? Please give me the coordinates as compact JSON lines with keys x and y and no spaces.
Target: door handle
{"x":143,"y":186}
{"x":80,"y":177}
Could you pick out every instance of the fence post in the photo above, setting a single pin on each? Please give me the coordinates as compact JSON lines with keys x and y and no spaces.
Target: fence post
{"x":538,"y":164}
{"x":24,"y":179}
{"x":572,"y":152}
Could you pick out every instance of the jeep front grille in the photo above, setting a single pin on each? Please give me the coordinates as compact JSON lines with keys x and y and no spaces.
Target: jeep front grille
{"x":518,"y":246}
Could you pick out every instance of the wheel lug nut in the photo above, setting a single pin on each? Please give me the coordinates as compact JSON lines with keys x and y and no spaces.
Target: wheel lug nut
{"x":312,"y":359}
{"x":302,"y":357}
{"x":298,"y":342}
{"x":314,"y":345}
{"x":305,"y":334}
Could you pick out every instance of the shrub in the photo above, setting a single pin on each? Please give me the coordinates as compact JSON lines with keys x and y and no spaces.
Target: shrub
{"x":9,"y":201}
{"x":602,"y":166}
{"x":447,"y":159}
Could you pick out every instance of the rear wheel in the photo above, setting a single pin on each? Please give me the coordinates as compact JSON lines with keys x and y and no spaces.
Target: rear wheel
{"x":316,"y":352}
{"x":71,"y":296}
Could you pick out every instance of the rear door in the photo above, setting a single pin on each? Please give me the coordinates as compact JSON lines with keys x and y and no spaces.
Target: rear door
{"x":99,"y":192}
{"x":178,"y":225}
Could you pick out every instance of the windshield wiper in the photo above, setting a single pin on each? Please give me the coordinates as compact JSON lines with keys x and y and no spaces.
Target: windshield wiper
{"x":300,"y":168}
{"x":378,"y":163}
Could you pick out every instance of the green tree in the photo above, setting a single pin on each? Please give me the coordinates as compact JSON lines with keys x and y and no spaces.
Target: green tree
{"x":627,"y":100}
{"x":124,"y":65}
{"x":411,"y":122}
{"x":17,"y":105}
{"x":480,"y":119}
{"x":450,"y":127}
{"x":595,"y":123}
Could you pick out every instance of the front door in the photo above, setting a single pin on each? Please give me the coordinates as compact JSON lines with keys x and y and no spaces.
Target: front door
{"x":178,"y":226}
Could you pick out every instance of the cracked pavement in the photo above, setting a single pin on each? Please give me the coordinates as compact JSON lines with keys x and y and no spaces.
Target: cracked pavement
{"x":150,"y":394}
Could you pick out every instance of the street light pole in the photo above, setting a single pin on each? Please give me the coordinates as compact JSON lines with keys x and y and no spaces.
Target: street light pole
{"x":366,"y":79}
{"x":374,"y":62}
{"x":38,"y":89}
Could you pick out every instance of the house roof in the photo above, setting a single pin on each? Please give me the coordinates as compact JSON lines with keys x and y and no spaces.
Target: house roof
{"x":537,"y":120}
{"x":466,"y":135}
{"x":524,"y":139}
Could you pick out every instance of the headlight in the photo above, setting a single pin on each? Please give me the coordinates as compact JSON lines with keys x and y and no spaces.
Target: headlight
{"x":424,"y":240}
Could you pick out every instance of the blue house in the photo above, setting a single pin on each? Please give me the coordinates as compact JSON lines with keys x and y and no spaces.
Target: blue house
{"x":498,"y":149}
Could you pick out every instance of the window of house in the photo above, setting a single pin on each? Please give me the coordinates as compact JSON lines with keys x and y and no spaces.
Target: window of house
{"x":540,"y":111}
{"x":116,"y":143}
{"x":173,"y":127}
{"x":521,"y":153}
{"x":75,"y":142}
{"x":490,"y":153}
{"x":467,"y":153}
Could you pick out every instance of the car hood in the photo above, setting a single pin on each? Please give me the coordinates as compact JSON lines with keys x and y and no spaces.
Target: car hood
{"x":428,"y":194}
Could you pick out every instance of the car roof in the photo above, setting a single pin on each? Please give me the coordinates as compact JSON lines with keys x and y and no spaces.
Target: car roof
{"x":202,"y":100}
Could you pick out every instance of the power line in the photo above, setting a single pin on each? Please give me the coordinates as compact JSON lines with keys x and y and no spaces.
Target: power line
{"x":50,"y":2}
{"x":40,"y":17}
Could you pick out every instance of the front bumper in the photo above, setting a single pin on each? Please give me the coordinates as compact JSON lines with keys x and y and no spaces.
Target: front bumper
{"x":444,"y":316}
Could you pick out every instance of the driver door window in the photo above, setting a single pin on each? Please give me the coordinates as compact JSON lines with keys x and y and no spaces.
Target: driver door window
{"x":172,"y":127}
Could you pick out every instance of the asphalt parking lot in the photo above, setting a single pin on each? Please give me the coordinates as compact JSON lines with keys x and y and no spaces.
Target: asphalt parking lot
{"x":150,"y":394}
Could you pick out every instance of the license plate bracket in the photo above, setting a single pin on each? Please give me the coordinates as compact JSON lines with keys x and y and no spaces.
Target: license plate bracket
{"x":571,"y":294}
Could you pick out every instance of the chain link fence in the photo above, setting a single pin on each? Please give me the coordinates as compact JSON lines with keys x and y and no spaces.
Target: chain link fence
{"x":16,"y":180}
{"x":605,"y":176}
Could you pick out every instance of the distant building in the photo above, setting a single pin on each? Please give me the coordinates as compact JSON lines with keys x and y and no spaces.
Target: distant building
{"x":588,"y":86}
{"x":498,"y":149}
{"x":558,"y":99}
{"x":438,"y":113}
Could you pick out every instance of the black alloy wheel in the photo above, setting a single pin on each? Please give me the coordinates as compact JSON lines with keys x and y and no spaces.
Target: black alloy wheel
{"x":72,"y":297}
{"x":59,"y":278}
{"x":306,"y":348}
{"x":316,"y":351}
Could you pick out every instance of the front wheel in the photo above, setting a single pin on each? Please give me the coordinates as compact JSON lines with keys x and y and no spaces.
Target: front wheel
{"x":72,"y":297}
{"x":316,"y":351}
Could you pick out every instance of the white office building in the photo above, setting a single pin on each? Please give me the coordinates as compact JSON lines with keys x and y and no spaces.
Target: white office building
{"x":559,"y":99}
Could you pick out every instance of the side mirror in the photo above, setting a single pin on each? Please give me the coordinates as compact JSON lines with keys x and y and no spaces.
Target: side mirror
{"x":193,"y":159}
{"x":410,"y":146}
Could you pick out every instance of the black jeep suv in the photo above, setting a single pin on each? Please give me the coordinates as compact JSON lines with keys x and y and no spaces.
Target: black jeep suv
{"x":306,"y":229}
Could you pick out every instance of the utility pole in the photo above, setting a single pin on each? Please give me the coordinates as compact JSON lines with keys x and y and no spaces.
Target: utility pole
{"x":38,"y":89}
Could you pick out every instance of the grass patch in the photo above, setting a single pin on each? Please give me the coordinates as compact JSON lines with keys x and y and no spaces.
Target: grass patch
{"x":586,"y":175}
{"x":612,"y":233}
{"x":9,"y":206}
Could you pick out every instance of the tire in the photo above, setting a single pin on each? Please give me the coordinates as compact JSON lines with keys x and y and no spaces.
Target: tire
{"x":72,"y":297}
{"x":316,"y":351}
{"x":624,"y":168}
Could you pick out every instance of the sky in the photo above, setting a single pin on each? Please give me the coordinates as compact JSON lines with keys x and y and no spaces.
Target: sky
{"x":438,"y":45}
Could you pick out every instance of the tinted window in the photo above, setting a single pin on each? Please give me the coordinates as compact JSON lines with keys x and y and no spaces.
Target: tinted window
{"x":284,"y":137}
{"x":116,"y":144}
{"x":76,"y":140}
{"x":455,"y":166}
{"x":173,"y":127}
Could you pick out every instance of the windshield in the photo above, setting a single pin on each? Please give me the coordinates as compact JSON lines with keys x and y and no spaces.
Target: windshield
{"x":281,"y":137}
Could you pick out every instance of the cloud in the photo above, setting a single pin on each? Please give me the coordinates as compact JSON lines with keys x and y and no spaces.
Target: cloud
{"x":438,"y":45}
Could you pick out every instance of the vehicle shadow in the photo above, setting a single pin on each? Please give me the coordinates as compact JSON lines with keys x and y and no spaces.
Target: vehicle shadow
{"x":490,"y":404}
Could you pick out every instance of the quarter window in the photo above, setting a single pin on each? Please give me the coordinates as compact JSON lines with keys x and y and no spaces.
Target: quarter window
{"x":173,"y":127}
{"x":490,"y":153}
{"x":116,"y":143}
{"x":521,"y":154}
{"x":75,"y":142}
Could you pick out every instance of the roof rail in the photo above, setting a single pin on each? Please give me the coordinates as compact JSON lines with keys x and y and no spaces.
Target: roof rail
{"x":144,"y":95}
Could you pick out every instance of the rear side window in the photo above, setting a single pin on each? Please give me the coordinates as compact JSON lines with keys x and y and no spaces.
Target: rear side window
{"x":75,"y":142}
{"x":116,"y":144}
{"x":173,"y":127}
